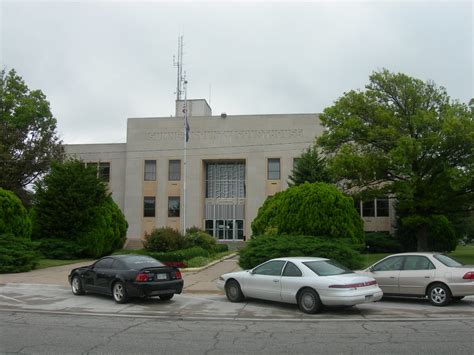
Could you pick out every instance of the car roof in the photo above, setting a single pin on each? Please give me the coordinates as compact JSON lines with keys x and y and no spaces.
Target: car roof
{"x":301,"y":258}
{"x":125,"y":256}
{"x":417,"y":253}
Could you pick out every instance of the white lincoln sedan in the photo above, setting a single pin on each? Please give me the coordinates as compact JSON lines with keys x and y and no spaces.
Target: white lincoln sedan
{"x":309,"y":282}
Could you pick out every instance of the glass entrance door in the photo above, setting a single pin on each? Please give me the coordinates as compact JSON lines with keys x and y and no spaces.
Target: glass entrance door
{"x":226,"y":229}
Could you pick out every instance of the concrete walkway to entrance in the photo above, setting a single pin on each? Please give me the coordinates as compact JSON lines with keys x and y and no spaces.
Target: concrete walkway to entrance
{"x":195,"y":281}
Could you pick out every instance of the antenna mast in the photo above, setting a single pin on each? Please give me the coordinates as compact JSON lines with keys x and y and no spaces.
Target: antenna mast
{"x":179,"y":64}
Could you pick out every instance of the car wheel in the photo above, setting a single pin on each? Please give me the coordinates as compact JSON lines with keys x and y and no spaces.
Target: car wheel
{"x":119,"y":292}
{"x":439,"y":295}
{"x":309,"y":302}
{"x":458,"y":298}
{"x":166,"y":297}
{"x":76,"y":286}
{"x":233,"y":291}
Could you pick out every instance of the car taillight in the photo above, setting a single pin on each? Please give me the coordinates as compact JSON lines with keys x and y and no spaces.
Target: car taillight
{"x":360,"y":284}
{"x":141,"y":277}
{"x":469,"y":275}
{"x":177,"y":274}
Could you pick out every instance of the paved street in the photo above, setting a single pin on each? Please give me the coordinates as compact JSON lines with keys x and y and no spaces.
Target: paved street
{"x":71,"y":334}
{"x":45,"y":317}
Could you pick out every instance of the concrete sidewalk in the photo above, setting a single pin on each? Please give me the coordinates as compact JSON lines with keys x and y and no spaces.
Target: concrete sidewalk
{"x":201,"y":280}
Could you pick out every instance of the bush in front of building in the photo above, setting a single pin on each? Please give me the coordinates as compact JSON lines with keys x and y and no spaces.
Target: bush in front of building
{"x":72,"y":205}
{"x":442,"y":236}
{"x":262,"y":248}
{"x":13,"y":216}
{"x":164,"y":239}
{"x":380,"y":242}
{"x":201,"y":239}
{"x":17,"y":254}
{"x":54,"y":248}
{"x":317,"y":209}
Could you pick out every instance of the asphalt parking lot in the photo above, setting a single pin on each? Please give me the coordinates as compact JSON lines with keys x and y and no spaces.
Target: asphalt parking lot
{"x":58,"y":299}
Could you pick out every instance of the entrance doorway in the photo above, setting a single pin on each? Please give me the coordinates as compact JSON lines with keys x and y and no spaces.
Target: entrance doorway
{"x":226,"y":229}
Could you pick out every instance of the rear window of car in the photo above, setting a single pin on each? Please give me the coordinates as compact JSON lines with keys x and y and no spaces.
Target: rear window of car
{"x":448,"y":261}
{"x":327,"y":268}
{"x":140,"y":262}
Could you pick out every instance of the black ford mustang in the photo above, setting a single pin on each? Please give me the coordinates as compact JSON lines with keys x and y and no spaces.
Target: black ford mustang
{"x":125,"y":276}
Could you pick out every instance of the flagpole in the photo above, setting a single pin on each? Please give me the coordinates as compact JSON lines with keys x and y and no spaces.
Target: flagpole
{"x":185,"y":137}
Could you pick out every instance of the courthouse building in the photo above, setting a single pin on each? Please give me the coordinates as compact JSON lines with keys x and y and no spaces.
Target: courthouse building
{"x":233,"y":163}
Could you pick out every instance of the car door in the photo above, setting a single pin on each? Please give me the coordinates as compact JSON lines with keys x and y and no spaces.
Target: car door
{"x":102,"y":271}
{"x":290,"y":282}
{"x":387,"y":273}
{"x":417,"y":272}
{"x":264,"y":281}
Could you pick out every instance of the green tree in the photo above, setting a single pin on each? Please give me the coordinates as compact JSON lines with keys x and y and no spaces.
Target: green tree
{"x":28,"y":138}
{"x":316,"y":209}
{"x":404,"y":137}
{"x":72,"y":205}
{"x":17,"y":252}
{"x":14,"y":218}
{"x":310,"y":167}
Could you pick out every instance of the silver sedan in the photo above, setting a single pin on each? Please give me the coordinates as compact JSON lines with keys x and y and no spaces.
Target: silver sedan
{"x":433,"y":275}
{"x":306,"y":281}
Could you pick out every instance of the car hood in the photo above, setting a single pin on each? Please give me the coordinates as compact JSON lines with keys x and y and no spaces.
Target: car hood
{"x":237,"y":274}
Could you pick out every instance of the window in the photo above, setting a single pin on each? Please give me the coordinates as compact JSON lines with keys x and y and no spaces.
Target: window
{"x":448,"y":261}
{"x":240,"y":228}
{"x":272,"y":268}
{"x":173,"y":206}
{"x":273,"y":171}
{"x":295,"y":162}
{"x":104,"y":171}
{"x":174,"y":170}
{"x":382,"y":207}
{"x":104,"y":263}
{"x":92,"y":165}
{"x":391,"y":264}
{"x":415,"y":262}
{"x":291,"y":270}
{"x":149,"y":203}
{"x":150,"y":170}
{"x":209,"y":226}
{"x":357,"y":206}
{"x":225,"y":179}
{"x":368,"y":208}
{"x":327,"y":268}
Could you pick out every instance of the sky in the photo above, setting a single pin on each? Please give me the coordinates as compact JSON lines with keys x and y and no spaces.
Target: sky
{"x":101,"y":62}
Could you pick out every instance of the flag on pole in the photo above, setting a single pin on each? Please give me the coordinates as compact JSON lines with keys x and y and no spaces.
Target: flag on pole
{"x":186,"y":123}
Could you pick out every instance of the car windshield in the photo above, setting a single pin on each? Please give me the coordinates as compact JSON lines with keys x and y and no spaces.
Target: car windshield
{"x":141,"y":261}
{"x":448,"y":261}
{"x":327,"y":268}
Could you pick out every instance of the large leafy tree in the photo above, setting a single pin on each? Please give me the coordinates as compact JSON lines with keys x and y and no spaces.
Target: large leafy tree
{"x":405,"y":137}
{"x":74,"y":212}
{"x":310,"y":167}
{"x":28,"y":138}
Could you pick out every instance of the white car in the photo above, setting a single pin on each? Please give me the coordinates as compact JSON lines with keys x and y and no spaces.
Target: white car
{"x":309,"y":282}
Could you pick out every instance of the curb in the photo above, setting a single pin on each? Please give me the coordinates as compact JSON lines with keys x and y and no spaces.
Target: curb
{"x":197,"y":269}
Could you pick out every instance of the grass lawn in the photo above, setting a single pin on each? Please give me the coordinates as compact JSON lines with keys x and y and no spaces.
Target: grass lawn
{"x":464,"y":254}
{"x":200,"y":261}
{"x":44,"y":263}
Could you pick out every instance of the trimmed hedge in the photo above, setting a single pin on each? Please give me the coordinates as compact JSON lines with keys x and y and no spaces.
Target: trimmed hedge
{"x":13,"y":216}
{"x":262,"y":248}
{"x":17,"y":254}
{"x":53,"y":248}
{"x":317,"y":209}
{"x":379,"y":242}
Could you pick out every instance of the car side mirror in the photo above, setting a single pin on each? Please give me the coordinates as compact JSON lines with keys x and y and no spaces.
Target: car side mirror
{"x":371,"y":269}
{"x":251,"y":272}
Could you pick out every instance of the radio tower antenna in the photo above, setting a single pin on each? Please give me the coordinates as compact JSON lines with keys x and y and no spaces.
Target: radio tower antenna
{"x":179,"y":64}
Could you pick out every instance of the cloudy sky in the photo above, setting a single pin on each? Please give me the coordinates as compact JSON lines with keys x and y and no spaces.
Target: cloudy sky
{"x":100,"y":62}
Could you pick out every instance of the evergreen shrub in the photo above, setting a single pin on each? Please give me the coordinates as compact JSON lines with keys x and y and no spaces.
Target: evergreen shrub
{"x":262,"y":248}
{"x":317,"y":209}
{"x":164,"y":239}
{"x":379,"y":242}
{"x":13,"y":216}
{"x":17,"y":254}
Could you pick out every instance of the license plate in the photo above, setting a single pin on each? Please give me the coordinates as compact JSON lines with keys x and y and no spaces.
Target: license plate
{"x":161,"y":276}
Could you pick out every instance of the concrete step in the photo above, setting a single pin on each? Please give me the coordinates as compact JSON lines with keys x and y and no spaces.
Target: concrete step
{"x":133,"y":244}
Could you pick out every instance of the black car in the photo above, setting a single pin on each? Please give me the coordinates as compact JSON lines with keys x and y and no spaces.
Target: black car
{"x":125,"y":276}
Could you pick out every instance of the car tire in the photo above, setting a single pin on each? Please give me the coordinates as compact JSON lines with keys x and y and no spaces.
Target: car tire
{"x":76,"y":286}
{"x":439,"y":295}
{"x":309,"y":302}
{"x":119,"y":292}
{"x":166,"y":297}
{"x":233,"y":291}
